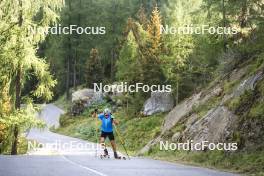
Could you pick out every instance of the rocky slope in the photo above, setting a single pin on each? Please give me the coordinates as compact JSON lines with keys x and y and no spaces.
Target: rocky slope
{"x":221,"y":112}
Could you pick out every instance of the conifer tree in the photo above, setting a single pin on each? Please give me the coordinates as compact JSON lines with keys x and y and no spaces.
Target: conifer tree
{"x":154,"y":31}
{"x":94,"y":69}
{"x":128,"y":63}
{"x":18,"y":54}
{"x":142,"y":17}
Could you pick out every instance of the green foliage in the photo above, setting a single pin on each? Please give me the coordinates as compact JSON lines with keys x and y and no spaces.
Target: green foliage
{"x":257,"y":111}
{"x":65,"y":120}
{"x":74,"y":49}
{"x":23,"y":118}
{"x":20,"y":63}
{"x":242,"y":103}
{"x":256,"y":66}
{"x":94,"y":69}
{"x":128,"y":63}
{"x":21,"y":149}
{"x":229,"y":85}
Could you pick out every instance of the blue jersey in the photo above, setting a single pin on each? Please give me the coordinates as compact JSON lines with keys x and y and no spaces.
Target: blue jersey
{"x":107,"y":123}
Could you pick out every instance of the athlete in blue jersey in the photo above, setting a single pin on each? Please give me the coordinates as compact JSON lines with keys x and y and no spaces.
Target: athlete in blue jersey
{"x":107,"y":120}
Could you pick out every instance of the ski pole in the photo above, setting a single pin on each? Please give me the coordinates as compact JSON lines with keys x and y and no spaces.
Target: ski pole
{"x":122,"y":141}
{"x":96,"y":133}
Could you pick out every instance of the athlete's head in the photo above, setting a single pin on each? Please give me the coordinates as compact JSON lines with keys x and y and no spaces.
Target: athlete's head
{"x":107,"y":112}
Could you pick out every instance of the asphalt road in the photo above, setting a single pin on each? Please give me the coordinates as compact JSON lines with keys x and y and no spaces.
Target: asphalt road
{"x":65,"y":156}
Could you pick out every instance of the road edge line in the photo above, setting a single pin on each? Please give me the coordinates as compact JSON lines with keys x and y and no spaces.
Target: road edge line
{"x":84,"y":167}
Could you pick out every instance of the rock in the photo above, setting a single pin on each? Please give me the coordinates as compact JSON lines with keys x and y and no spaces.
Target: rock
{"x":191,"y":120}
{"x":176,"y":137}
{"x":237,"y":74}
{"x":184,"y":108}
{"x":219,"y":123}
{"x":181,"y":111}
{"x":158,"y":102}
{"x":114,"y":96}
{"x":247,"y":84}
{"x":216,"y":126}
{"x":88,"y":96}
{"x":252,"y":134}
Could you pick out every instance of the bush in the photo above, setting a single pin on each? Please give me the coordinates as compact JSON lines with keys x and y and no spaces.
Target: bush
{"x":65,"y":120}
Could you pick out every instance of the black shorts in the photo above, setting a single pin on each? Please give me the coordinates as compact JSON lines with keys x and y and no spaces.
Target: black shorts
{"x":110,"y":135}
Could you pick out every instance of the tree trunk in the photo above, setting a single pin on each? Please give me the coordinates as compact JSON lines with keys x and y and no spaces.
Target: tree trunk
{"x":17,"y":106}
{"x":177,"y":89}
{"x":74,"y":70}
{"x":18,"y":90}
{"x":76,"y":59}
{"x":243,"y":17}
{"x":224,"y":25}
{"x":68,"y":77}
{"x":113,"y":51}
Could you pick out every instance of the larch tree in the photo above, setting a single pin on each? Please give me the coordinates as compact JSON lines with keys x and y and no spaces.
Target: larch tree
{"x":154,"y":31}
{"x":19,"y":59}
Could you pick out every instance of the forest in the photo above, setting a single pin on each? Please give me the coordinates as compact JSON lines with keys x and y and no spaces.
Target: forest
{"x":132,"y":41}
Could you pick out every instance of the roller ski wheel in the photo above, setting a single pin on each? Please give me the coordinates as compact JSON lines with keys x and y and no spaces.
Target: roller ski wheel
{"x":103,"y":156}
{"x":119,"y":157}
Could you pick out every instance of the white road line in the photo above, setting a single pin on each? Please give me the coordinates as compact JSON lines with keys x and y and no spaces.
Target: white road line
{"x":84,"y":167}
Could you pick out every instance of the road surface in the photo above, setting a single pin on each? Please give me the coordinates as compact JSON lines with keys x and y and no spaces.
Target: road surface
{"x":64,"y":159}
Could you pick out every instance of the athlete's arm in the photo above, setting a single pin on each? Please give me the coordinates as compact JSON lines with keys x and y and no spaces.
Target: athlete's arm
{"x":94,"y":114}
{"x":116,"y":122}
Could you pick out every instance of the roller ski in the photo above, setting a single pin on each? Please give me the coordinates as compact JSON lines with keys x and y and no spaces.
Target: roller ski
{"x":105,"y":155}
{"x":118,"y":157}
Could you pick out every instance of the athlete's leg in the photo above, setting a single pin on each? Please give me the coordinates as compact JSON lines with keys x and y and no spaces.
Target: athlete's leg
{"x":112,"y":141}
{"x":102,"y":142}
{"x":113,"y":144}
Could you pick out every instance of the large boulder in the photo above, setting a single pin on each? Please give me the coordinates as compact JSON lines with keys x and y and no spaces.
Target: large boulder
{"x":84,"y":98}
{"x":158,"y":102}
{"x":88,"y":96}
